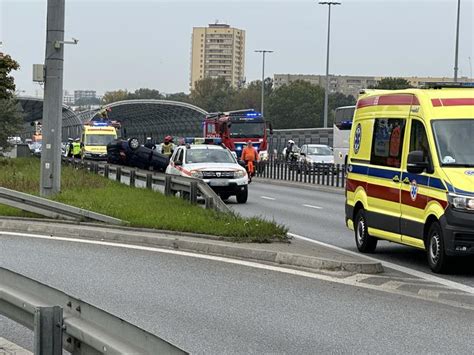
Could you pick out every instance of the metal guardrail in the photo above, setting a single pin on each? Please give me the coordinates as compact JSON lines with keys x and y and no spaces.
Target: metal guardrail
{"x":49,"y":208}
{"x":62,"y":321}
{"x":310,"y":173}
{"x":188,"y":187}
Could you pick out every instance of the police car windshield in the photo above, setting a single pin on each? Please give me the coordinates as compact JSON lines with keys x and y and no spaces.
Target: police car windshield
{"x":455,"y":141}
{"x":98,"y":139}
{"x":196,"y":156}
{"x":319,"y":150}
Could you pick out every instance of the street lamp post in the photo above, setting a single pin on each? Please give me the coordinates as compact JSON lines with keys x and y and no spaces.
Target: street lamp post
{"x":263,"y":51}
{"x":326,"y":92}
{"x":457,"y":45}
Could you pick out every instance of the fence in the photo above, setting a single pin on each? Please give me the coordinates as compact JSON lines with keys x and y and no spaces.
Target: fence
{"x":62,"y":321}
{"x":309,"y":173}
{"x":189,"y":188}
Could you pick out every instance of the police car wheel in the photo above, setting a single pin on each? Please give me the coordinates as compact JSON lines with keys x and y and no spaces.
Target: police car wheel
{"x":365,"y":243}
{"x":133,"y":143}
{"x":243,"y":195}
{"x":224,"y":197}
{"x":437,"y":258}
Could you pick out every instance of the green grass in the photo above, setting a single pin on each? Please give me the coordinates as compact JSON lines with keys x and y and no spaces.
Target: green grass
{"x":139,"y":207}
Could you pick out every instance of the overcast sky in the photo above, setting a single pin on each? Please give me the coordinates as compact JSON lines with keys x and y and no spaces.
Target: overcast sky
{"x":133,"y":44}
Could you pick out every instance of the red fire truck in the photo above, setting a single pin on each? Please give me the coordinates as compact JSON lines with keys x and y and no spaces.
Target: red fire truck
{"x":236,"y":128}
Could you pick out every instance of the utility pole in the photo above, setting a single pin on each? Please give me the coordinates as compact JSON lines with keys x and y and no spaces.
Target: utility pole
{"x":457,"y":45}
{"x":50,"y":182}
{"x":263,"y":51}
{"x":326,"y":92}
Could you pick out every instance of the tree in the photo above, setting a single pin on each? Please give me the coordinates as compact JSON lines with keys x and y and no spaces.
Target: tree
{"x":7,"y":83}
{"x":212,"y":94}
{"x":113,"y":96}
{"x":297,"y":105}
{"x":178,"y":96}
{"x":392,"y":84}
{"x":144,"y":93}
{"x":251,"y":95}
{"x":10,"y":118}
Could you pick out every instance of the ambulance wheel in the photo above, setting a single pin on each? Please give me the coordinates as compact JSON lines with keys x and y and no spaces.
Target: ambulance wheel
{"x":437,"y":258}
{"x":365,"y":243}
{"x":133,"y":143}
{"x":243,"y":195}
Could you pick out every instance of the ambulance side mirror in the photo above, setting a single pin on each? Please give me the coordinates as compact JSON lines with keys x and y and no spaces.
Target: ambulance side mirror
{"x":417,"y":163}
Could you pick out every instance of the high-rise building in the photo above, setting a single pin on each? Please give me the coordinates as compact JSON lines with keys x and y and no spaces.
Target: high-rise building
{"x":218,"y":51}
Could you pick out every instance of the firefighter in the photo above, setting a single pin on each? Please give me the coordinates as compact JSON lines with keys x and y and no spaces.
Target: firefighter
{"x":76,"y":148}
{"x":167,"y":147}
{"x":250,"y":157}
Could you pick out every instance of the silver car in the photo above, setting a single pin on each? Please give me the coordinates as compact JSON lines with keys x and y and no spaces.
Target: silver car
{"x":316,"y":154}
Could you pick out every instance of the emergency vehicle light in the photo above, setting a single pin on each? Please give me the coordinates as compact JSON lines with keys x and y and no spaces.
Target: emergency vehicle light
{"x":439,"y":85}
{"x":201,"y":140}
{"x":100,"y":124}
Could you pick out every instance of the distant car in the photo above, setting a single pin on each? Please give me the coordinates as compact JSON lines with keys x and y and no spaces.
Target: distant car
{"x":216,"y":165}
{"x":130,"y":152}
{"x":316,"y":154}
{"x":36,"y":148}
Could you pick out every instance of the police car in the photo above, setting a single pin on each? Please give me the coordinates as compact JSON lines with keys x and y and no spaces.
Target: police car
{"x":213,"y":163}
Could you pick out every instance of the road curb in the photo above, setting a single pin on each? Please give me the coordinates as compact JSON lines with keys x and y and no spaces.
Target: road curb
{"x":190,"y":244}
{"x":301,"y":185}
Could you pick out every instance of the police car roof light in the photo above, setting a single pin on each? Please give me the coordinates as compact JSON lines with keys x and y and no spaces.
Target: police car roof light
{"x":201,"y":140}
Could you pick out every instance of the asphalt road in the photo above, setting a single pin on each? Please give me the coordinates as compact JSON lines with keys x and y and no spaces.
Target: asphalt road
{"x":214,"y":307}
{"x":320,"y":215}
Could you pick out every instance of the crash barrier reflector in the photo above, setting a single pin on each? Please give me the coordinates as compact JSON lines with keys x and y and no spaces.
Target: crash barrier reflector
{"x":51,"y":209}
{"x":172,"y":184}
{"x":309,"y":173}
{"x":62,"y":321}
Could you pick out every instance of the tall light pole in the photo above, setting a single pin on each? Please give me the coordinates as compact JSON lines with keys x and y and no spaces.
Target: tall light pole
{"x":263,"y":51}
{"x":50,"y":182}
{"x":326,"y":92}
{"x":457,"y":45}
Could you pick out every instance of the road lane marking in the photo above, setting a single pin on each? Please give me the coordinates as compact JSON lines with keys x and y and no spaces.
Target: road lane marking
{"x":315,"y":207}
{"x":405,"y":270}
{"x":256,"y":265}
{"x":268,"y":198}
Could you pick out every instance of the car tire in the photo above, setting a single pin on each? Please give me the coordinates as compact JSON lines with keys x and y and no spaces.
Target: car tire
{"x":364,"y":241}
{"x":133,"y":143}
{"x":242,"y":196}
{"x":435,"y":251}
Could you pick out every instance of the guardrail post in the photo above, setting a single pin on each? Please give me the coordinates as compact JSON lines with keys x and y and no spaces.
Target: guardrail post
{"x":132,"y":178}
{"x":193,"y":192}
{"x":149,"y":181}
{"x":209,"y":203}
{"x":106,"y":170}
{"x":118,"y":174}
{"x":168,"y":185}
{"x":48,"y":328}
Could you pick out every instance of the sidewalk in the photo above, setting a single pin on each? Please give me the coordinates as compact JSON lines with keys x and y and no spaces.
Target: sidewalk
{"x":8,"y":348}
{"x":297,"y":253}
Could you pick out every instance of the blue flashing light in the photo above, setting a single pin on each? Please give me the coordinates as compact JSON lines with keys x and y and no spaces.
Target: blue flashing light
{"x":239,"y":147}
{"x":253,"y":114}
{"x":202,"y":140}
{"x":99,"y":124}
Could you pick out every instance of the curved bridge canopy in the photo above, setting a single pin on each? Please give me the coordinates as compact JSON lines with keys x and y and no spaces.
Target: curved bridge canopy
{"x":155,"y":118}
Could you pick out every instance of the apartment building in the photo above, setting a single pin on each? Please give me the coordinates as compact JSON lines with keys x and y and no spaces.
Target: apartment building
{"x":218,"y":51}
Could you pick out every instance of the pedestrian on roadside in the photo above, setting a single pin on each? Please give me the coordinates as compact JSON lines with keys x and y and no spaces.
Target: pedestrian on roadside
{"x":167,"y":147}
{"x":250,"y":157}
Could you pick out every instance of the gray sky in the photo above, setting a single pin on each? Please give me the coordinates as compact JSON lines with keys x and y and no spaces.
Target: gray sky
{"x":132,"y":44}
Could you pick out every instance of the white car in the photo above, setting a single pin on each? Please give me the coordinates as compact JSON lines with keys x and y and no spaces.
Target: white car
{"x":214,"y":164}
{"x":317,"y":154}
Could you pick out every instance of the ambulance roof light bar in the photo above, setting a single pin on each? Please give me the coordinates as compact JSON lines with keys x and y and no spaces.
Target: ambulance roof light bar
{"x":441,"y":85}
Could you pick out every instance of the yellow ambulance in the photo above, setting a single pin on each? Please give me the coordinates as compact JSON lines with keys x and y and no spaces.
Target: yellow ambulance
{"x":94,"y":140}
{"x":410,"y":170}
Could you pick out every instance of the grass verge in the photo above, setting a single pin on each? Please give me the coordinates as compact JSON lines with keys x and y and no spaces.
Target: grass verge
{"x":140,"y":207}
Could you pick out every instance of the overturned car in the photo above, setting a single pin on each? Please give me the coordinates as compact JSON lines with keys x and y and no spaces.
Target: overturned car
{"x":130,"y":152}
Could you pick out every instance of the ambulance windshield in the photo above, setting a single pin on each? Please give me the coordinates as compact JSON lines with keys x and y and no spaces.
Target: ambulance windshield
{"x":455,"y":142}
